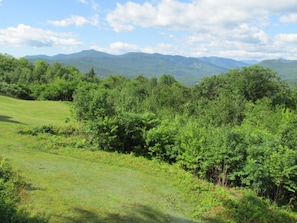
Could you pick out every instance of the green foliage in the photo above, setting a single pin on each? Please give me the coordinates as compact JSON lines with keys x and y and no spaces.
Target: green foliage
{"x":215,"y":154}
{"x":282,"y":165}
{"x":150,"y":182}
{"x":250,"y":208}
{"x":222,"y":130}
{"x":160,"y":141}
{"x":236,"y":129}
{"x":22,"y":79}
{"x":288,"y":134}
{"x":49,"y":129}
{"x":91,"y":104}
{"x":15,"y":90}
{"x":103,"y":133}
{"x":122,"y":133}
{"x":132,"y":128}
{"x":10,"y":185}
{"x":59,"y":90}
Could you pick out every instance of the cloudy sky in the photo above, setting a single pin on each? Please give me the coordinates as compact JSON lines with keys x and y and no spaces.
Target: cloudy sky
{"x":252,"y":29}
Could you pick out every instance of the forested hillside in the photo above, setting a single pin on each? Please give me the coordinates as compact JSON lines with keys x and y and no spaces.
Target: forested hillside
{"x":187,"y":70}
{"x":286,"y":69}
{"x":236,"y":129}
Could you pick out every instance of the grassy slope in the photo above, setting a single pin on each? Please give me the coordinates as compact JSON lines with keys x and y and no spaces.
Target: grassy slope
{"x":75,"y":185}
{"x":70,"y":186}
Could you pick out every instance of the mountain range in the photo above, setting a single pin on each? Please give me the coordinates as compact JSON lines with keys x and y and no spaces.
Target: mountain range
{"x":187,"y":70}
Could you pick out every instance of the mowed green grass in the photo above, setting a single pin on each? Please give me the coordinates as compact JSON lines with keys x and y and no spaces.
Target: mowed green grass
{"x":75,"y":185}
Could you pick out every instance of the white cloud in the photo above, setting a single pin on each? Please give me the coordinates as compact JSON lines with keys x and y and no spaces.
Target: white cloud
{"x":24,"y":35}
{"x":284,"y":39}
{"x":93,"y":4}
{"x":75,"y":20}
{"x":292,"y":17}
{"x":117,"y":48}
{"x":228,"y":28}
{"x":249,"y":34}
{"x":219,"y":41}
{"x":246,"y":42}
{"x":194,"y":15}
{"x":125,"y":17}
{"x":122,"y":47}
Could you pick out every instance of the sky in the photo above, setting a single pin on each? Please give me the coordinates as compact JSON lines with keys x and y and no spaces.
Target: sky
{"x":238,"y":29}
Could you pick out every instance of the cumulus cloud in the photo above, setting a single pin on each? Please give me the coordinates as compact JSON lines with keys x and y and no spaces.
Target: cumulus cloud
{"x":283,"y":39}
{"x":292,"y":17}
{"x":228,"y":28}
{"x":194,"y":15}
{"x":75,"y":20}
{"x":249,"y":34}
{"x":122,"y":47}
{"x":118,"y":48}
{"x":24,"y":35}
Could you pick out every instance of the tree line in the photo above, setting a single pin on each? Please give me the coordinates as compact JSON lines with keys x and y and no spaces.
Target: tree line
{"x":22,"y":79}
{"x":235,"y":129}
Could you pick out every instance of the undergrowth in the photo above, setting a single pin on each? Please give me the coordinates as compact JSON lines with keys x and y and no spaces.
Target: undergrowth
{"x":11,"y":186}
{"x":208,"y":202}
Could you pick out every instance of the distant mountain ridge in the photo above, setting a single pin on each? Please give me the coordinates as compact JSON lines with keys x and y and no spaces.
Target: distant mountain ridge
{"x":286,"y":69}
{"x":188,"y":70}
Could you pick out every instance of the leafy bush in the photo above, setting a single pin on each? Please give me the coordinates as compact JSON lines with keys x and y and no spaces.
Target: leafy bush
{"x":122,"y":133}
{"x":15,"y":90}
{"x":104,"y":134}
{"x":10,"y":185}
{"x":250,"y":208}
{"x":160,"y":142}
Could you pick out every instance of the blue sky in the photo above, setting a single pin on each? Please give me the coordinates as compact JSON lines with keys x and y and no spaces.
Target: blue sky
{"x":254,"y":29}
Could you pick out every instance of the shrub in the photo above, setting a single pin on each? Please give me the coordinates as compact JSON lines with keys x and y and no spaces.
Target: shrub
{"x":10,"y":185}
{"x":15,"y":90}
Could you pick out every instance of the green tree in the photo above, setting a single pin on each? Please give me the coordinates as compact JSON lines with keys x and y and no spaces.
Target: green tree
{"x":7,"y":67}
{"x":281,"y":163}
{"x":91,"y":75}
{"x":257,"y":82}
{"x":89,"y":103}
{"x":167,"y":79}
{"x":210,"y":87}
{"x":40,"y":71}
{"x":132,"y":95}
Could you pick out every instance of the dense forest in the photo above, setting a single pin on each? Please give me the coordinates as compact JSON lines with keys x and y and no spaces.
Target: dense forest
{"x":235,"y":129}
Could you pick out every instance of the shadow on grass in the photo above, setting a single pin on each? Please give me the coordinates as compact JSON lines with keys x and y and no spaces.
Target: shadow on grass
{"x":134,"y":214}
{"x":250,"y":208}
{"x":31,"y":187}
{"x":4,"y":118}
